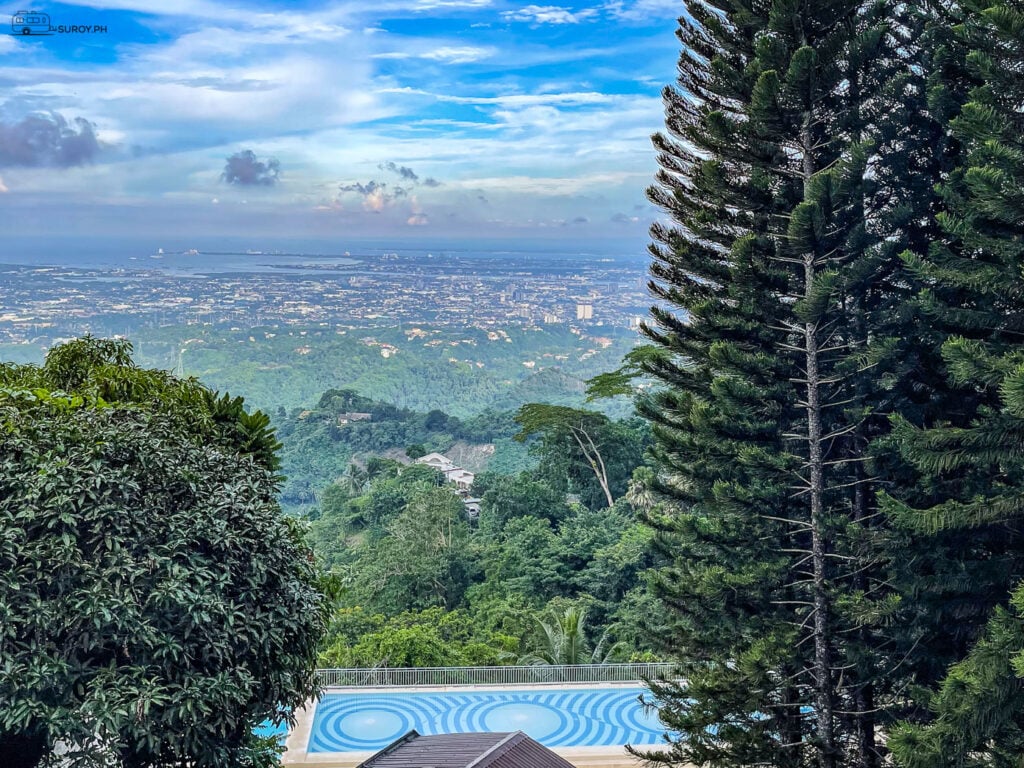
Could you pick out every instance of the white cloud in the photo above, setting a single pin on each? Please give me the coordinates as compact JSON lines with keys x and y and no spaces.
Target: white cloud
{"x":314,"y":90}
{"x":445,"y":53}
{"x":3,"y":187}
{"x":512,"y":100}
{"x":642,"y":10}
{"x":458,"y":55}
{"x":375,"y":201}
{"x":548,"y":14}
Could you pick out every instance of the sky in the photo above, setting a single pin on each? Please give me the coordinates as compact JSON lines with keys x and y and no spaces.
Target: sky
{"x":388,"y":119}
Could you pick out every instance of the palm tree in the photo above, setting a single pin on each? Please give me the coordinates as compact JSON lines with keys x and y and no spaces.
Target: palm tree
{"x":356,"y":479}
{"x":564,"y":641}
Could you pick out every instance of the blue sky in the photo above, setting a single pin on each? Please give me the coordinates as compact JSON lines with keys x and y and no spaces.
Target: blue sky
{"x":392,"y":118}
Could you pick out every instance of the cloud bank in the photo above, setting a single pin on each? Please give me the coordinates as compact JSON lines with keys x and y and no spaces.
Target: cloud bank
{"x":47,"y":139}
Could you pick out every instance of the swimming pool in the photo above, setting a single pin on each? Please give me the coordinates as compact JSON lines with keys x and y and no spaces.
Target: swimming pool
{"x":568,"y":717}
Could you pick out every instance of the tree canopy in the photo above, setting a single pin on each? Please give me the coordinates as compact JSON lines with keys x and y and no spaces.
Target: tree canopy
{"x":156,"y":605}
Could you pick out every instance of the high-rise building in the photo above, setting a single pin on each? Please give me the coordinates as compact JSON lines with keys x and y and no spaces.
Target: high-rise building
{"x":584,"y":311}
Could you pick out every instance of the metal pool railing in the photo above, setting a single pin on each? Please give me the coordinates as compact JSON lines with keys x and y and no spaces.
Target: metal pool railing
{"x":527,"y":675}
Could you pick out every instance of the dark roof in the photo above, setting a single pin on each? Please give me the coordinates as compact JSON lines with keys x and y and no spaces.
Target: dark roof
{"x":466,"y":750}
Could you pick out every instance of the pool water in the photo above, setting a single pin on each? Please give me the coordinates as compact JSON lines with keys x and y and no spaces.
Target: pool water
{"x":363,"y":722}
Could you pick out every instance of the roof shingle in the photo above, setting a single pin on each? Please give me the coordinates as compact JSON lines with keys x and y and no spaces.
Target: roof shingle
{"x":466,"y":750}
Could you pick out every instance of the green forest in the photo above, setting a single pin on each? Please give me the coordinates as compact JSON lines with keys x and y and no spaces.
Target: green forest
{"x":317,"y":450}
{"x":457,"y":370}
{"x":421,"y":582}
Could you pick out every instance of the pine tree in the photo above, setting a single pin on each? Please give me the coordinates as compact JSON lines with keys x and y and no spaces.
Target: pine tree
{"x":974,"y":295}
{"x":720,"y":418}
{"x":765,"y":176}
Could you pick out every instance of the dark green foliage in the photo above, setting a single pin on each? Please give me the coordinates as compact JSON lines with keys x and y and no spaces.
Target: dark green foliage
{"x":400,"y":541}
{"x":430,"y":638}
{"x":251,"y":432}
{"x":421,"y":559}
{"x":720,"y":417}
{"x":524,"y":559}
{"x":155,"y":604}
{"x":506,"y":498}
{"x":319,"y":450}
{"x":970,"y":457}
{"x":782,"y":292}
{"x":563,"y":639}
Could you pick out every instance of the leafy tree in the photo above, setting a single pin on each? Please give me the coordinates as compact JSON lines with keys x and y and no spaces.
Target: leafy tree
{"x":524,"y":559}
{"x":616,"y":562}
{"x":568,"y":427}
{"x":507,"y":498}
{"x":501,"y":615}
{"x":422,"y":558}
{"x":638,"y":621}
{"x":156,"y":605}
{"x":429,"y":638}
{"x":435,"y":420}
{"x":584,"y":451}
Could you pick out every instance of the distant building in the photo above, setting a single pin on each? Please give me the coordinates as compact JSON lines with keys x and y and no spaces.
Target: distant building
{"x":462,"y":750}
{"x":584,"y":311}
{"x":438,"y":461}
{"x":345,"y":418}
{"x":463,"y":479}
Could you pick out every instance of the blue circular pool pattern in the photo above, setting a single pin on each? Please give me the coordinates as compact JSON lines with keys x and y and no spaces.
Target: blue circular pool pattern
{"x":593,"y":717}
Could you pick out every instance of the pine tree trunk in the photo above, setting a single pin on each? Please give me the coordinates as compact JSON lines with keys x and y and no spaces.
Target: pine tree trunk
{"x":822,"y":650}
{"x":816,"y":488}
{"x":868,"y":755}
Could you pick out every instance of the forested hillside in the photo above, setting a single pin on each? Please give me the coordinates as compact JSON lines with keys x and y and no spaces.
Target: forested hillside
{"x":459,"y":371}
{"x":326,"y":442}
{"x":425,"y":582}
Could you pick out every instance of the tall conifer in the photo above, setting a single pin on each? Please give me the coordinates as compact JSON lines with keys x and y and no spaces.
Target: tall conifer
{"x":800,"y":164}
{"x":720,"y":418}
{"x":765,"y":175}
{"x":975,"y":295}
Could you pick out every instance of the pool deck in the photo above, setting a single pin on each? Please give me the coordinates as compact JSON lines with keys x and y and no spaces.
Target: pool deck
{"x":581,"y":757}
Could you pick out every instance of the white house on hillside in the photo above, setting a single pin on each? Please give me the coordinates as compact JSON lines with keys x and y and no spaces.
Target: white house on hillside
{"x":462,"y":478}
{"x":437,"y":461}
